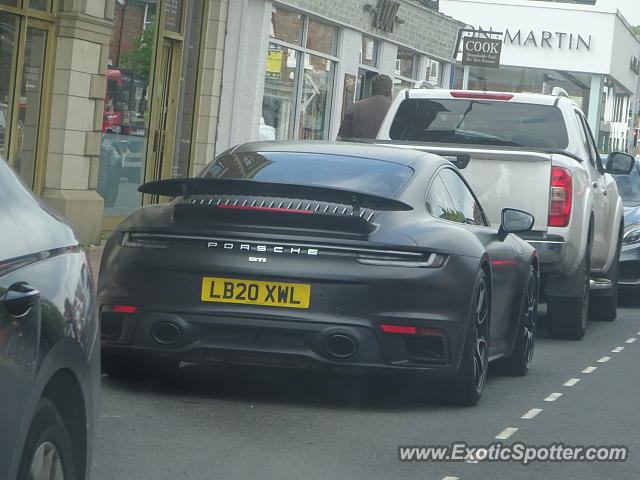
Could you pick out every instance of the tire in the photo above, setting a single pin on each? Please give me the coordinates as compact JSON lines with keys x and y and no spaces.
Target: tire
{"x":567,"y":316}
{"x":519,"y":362}
{"x":48,"y":448}
{"x":604,"y":308}
{"x":137,"y":367}
{"x":466,"y":386}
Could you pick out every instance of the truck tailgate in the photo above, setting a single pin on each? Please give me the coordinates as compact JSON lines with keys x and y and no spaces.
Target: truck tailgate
{"x":504,"y":178}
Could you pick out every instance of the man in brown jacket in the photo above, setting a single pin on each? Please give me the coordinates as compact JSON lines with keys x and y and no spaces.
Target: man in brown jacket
{"x":364,"y":118}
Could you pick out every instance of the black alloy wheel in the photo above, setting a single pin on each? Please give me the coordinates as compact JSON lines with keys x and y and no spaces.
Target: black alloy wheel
{"x":466,"y":387}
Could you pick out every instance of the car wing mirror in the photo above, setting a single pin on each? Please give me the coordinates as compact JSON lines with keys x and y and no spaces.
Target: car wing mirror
{"x":619,"y":163}
{"x":515,"y":221}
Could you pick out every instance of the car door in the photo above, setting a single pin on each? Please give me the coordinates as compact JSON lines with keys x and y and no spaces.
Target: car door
{"x":19,"y":326}
{"x":502,"y":253}
{"x":604,"y":191}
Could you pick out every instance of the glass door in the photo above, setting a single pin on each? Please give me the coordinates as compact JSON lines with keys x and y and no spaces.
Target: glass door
{"x":160,"y":159}
{"x":25,"y":65}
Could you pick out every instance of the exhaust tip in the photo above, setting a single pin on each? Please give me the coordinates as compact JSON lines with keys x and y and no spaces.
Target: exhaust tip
{"x":340,"y":346}
{"x":166,"y":333}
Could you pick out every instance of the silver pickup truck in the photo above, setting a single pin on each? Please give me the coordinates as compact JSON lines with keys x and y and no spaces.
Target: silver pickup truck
{"x":537,"y":153}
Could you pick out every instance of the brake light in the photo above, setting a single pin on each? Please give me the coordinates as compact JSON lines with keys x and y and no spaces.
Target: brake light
{"x":561,"y":192}
{"x":123,"y":309}
{"x":482,"y":95}
{"x":425,"y":332}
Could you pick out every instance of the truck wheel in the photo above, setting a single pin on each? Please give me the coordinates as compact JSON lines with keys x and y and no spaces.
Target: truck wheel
{"x":604,"y":308}
{"x":567,"y":316}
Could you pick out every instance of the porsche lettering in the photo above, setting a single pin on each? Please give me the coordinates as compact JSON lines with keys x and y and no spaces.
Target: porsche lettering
{"x":264,"y":248}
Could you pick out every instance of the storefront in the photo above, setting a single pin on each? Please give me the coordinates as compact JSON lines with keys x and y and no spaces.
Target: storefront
{"x":293,"y":67}
{"x":588,"y":50}
{"x":98,"y":96}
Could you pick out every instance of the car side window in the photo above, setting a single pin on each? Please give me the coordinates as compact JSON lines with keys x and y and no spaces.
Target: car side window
{"x":589,"y":144}
{"x":439,"y":202}
{"x":464,"y":201}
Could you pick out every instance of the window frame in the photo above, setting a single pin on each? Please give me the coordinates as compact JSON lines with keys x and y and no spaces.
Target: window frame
{"x":302,"y":50}
{"x":435,"y":175}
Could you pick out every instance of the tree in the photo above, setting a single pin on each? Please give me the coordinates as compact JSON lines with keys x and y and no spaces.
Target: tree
{"x":636,"y":29}
{"x":138,"y":57}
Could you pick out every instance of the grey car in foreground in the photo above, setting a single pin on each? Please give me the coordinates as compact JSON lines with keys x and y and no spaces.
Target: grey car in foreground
{"x":319,"y":255}
{"x":49,"y":355}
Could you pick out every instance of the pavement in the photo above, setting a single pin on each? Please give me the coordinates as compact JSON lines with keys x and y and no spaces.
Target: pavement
{"x":223,"y":422}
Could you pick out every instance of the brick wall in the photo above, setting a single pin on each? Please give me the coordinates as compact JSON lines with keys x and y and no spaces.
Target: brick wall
{"x":127,"y":26}
{"x":424,"y":30}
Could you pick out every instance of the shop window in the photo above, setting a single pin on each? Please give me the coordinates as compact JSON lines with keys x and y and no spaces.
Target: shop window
{"x":8,"y":45}
{"x":434,"y":72}
{"x":286,"y":26}
{"x":322,"y":37}
{"x":315,"y":104}
{"x":39,"y":4}
{"x":11,"y":3}
{"x":406,"y":63}
{"x":172,"y":15}
{"x":22,"y":93}
{"x":280,"y":92}
{"x":298,"y":81}
{"x":125,"y":121}
{"x":369,"y":52}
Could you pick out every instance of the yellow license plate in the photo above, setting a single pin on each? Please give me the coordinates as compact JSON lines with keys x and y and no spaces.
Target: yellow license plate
{"x":275,"y":294}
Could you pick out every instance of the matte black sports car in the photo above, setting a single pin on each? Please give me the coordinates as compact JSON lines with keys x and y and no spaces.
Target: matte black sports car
{"x":321,"y":254}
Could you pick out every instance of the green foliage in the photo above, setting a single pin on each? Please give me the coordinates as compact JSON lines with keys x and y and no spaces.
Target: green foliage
{"x":636,"y":29}
{"x":139,"y":56}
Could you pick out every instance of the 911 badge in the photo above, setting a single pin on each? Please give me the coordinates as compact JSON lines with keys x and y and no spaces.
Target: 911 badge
{"x":258,"y":259}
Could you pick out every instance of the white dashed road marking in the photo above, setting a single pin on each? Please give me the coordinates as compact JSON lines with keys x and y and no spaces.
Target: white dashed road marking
{"x":450,"y":478}
{"x":553,"y":397}
{"x":589,"y":369}
{"x":531,"y":413}
{"x":506,"y":433}
{"x":617,"y":350}
{"x":571,"y":382}
{"x":630,"y":340}
{"x":604,"y":359}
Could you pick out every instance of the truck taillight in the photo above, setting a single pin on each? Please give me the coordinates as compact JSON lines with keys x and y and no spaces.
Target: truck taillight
{"x":561,"y":193}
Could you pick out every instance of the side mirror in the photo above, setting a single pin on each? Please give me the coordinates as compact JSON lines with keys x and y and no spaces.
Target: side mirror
{"x":515,"y":221}
{"x":619,"y":163}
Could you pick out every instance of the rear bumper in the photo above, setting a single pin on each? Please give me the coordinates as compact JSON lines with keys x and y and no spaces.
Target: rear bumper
{"x":552,"y":251}
{"x":347,"y":298}
{"x":348,"y":344}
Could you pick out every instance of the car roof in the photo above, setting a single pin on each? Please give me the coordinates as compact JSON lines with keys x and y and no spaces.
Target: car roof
{"x":441,"y":93}
{"x":404,"y":156}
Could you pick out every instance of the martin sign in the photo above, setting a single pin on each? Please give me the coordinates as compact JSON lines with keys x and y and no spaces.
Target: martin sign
{"x":481,"y":52}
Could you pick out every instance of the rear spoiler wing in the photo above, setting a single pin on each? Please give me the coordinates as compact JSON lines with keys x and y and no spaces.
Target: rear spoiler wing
{"x":209,"y":186}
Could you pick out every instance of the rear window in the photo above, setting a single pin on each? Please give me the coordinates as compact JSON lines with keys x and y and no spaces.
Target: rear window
{"x":480,"y":122}
{"x":353,"y":173}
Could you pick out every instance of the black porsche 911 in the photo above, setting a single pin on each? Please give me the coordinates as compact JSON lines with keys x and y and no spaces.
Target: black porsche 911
{"x":301,"y":254}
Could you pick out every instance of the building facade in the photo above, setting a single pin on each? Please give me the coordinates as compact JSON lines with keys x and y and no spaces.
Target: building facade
{"x":293,"y":67}
{"x":589,"y":50}
{"x":97,"y":96}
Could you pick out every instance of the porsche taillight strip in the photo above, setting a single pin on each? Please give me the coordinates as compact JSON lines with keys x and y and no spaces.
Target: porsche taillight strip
{"x":363,"y":252}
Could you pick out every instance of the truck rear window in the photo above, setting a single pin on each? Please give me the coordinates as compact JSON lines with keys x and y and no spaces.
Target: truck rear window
{"x":480,"y":122}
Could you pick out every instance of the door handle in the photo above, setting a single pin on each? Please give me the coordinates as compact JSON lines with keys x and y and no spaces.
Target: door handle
{"x":19,"y":299}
